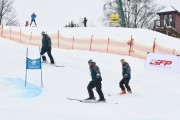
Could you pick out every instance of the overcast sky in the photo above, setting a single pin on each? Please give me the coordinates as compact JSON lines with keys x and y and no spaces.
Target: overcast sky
{"x":174,"y":3}
{"x":58,"y":13}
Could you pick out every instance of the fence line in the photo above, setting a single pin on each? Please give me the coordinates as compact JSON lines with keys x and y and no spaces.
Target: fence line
{"x":126,"y":47}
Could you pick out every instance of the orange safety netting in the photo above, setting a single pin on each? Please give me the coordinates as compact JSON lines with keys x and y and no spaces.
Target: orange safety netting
{"x":127,"y":47}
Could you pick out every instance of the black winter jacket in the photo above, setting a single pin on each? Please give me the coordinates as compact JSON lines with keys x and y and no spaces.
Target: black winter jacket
{"x":126,"y":71}
{"x":46,"y":42}
{"x":95,"y":72}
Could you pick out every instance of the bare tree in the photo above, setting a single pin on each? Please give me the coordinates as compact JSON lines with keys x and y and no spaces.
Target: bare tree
{"x":7,"y":13}
{"x":110,"y":7}
{"x":138,"y":13}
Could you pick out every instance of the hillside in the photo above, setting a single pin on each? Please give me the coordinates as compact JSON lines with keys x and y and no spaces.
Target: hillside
{"x":155,"y":95}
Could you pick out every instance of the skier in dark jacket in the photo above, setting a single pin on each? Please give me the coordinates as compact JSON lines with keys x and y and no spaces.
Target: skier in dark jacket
{"x":126,"y":73}
{"x":85,"y":22}
{"x":46,"y":47}
{"x":95,"y":82}
{"x":33,"y":17}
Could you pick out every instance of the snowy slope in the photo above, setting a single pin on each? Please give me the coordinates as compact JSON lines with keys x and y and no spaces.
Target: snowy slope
{"x":155,"y":95}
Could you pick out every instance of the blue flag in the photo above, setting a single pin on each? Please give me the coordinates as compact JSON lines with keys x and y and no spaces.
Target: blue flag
{"x":33,"y":63}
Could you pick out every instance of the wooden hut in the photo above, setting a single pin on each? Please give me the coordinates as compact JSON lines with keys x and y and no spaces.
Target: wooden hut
{"x":169,"y":22}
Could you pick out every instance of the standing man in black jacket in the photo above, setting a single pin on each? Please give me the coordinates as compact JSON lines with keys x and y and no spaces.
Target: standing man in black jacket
{"x":126,"y":73}
{"x":95,"y":82}
{"x":46,"y":47}
{"x":85,"y":22}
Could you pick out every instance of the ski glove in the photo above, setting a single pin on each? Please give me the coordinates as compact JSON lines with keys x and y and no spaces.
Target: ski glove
{"x":98,"y":76}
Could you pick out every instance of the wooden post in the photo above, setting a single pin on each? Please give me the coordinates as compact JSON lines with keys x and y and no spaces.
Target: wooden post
{"x":30,"y":37}
{"x":10,"y":33}
{"x":174,"y":51}
{"x":108,"y":46}
{"x":20,"y":35}
{"x":2,"y":31}
{"x":58,"y":38}
{"x":91,"y":43}
{"x":130,"y":45}
{"x":73,"y":43}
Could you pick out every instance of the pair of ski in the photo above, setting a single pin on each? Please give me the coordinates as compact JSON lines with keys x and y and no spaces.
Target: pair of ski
{"x":88,"y":101}
{"x":85,"y":101}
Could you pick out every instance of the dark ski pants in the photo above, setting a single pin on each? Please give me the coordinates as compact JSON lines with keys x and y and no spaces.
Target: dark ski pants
{"x":97,"y":84}
{"x":33,"y":21}
{"x":126,"y":82}
{"x":49,"y":54}
{"x":85,"y":25}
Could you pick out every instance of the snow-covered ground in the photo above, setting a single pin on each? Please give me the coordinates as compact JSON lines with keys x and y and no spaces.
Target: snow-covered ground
{"x":155,"y":95}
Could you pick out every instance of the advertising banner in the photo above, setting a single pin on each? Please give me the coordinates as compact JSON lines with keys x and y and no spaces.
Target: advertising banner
{"x":162,"y":63}
{"x":114,"y":18}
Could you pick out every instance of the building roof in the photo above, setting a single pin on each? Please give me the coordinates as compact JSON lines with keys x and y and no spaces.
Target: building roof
{"x":168,"y":9}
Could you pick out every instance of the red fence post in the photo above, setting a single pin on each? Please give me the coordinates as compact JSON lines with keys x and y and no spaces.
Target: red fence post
{"x":130,"y":45}
{"x":108,"y":46}
{"x":130,"y":49}
{"x":154,"y":46}
{"x":91,"y":43}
